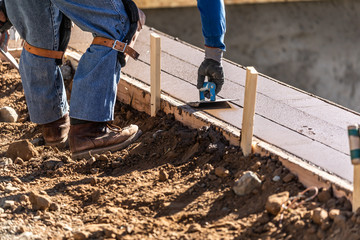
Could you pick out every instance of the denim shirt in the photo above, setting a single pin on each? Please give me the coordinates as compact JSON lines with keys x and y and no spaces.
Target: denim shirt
{"x":213,"y":22}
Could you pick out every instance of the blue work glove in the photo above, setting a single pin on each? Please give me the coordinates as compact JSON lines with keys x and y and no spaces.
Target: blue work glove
{"x":212,"y":68}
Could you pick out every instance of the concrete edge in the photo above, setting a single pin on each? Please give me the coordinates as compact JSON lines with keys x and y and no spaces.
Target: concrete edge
{"x":308,"y":174}
{"x":137,"y":94}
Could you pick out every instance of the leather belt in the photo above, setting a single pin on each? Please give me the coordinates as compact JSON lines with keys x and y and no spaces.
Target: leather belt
{"x":117,"y":45}
{"x":42,"y":52}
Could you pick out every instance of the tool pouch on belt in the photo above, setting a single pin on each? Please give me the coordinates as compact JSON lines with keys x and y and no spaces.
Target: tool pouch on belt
{"x":133,"y":15}
{"x":65,"y":32}
{"x":4,"y":26}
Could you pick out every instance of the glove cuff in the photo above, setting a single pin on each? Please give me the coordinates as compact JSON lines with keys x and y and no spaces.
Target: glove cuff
{"x":213,"y":53}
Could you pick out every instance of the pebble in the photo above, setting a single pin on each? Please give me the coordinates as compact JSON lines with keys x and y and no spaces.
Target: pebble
{"x":17,"y":180}
{"x":163,"y":175}
{"x":10,"y":189}
{"x":333,"y":213}
{"x":194,"y":228}
{"x":19,"y":161}
{"x":104,"y":158}
{"x":8,"y":114}
{"x":256,"y":166}
{"x":288,"y":177}
{"x":93,"y":181}
{"x":221,"y":172}
{"x":91,"y":160}
{"x":324,"y":195}
{"x":276,"y":178}
{"x":52,"y":164}
{"x":39,"y":202}
{"x":24,"y":198}
{"x":2,"y":210}
{"x":274,"y":202}
{"x":9,"y":204}
{"x":54,"y":207}
{"x":247,"y":183}
{"x":94,"y":170}
{"x":22,"y":149}
{"x":80,"y":235}
{"x":5,"y":161}
{"x":319,"y":215}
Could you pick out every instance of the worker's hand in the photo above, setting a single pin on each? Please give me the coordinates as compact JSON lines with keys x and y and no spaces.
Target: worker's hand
{"x":4,"y":39}
{"x":212,"y":68}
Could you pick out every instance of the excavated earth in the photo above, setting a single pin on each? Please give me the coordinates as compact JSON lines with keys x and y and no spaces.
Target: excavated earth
{"x":172,"y":183}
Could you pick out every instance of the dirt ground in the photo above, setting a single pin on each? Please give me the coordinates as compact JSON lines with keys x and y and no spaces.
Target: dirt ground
{"x":172,"y":183}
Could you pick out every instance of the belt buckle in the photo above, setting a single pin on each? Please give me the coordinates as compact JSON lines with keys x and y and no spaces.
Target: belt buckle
{"x":114,"y":46}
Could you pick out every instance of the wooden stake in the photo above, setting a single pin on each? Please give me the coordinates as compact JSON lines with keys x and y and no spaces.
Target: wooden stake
{"x":155,"y":69}
{"x":354,"y":143}
{"x":249,"y":110}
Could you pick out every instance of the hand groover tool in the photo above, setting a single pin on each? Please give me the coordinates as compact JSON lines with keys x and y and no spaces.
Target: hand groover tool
{"x":210,"y":87}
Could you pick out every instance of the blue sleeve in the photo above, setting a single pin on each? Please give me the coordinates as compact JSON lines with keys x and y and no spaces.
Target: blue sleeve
{"x":213,"y":22}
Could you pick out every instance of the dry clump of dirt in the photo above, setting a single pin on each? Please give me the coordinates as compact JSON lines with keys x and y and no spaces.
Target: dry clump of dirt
{"x":172,"y":183}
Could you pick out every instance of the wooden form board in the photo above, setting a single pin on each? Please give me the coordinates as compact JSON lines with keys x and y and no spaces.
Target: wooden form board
{"x":287,"y":120}
{"x":191,"y":3}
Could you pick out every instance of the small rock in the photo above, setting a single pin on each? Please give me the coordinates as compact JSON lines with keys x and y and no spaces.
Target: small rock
{"x":52,"y":164}
{"x":19,"y":161}
{"x":17,"y":180}
{"x":103,"y":157}
{"x":8,"y":114}
{"x":276,"y":178}
{"x":2,"y":210}
{"x":221,"y":172}
{"x":247,"y":183}
{"x":277,"y":172}
{"x":94,"y":170}
{"x":289,"y":177}
{"x":163,"y":175}
{"x":10,"y":189}
{"x":333,"y":213}
{"x":9,"y":204}
{"x":38,"y":141}
{"x":324,"y":195}
{"x":95,"y":195}
{"x":39,"y":202}
{"x":194,"y":228}
{"x":24,"y":198}
{"x":274,"y":202}
{"x":91,"y":160}
{"x":319,"y":216}
{"x":54,"y":207}
{"x":299,"y":224}
{"x":80,"y":235}
{"x":5,"y":161}
{"x":208,"y":166}
{"x":256,"y":166}
{"x":93,"y":181}
{"x":22,"y":149}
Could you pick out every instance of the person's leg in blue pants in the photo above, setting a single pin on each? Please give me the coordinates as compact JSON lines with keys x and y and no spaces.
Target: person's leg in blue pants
{"x":94,"y":89}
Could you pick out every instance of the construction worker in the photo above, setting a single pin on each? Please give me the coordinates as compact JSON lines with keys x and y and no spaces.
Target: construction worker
{"x":45,"y":26}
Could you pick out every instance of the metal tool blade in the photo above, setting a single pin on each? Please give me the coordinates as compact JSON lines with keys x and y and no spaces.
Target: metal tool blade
{"x":199,"y":104}
{"x":10,"y":58}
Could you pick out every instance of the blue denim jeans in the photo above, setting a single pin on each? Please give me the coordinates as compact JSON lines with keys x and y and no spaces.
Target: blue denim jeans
{"x":95,"y":83}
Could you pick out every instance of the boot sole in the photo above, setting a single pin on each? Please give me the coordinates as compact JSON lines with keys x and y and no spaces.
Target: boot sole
{"x":88,"y":153}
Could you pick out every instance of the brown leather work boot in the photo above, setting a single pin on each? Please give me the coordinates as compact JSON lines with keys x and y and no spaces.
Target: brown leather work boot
{"x":95,"y":138}
{"x":56,"y":133}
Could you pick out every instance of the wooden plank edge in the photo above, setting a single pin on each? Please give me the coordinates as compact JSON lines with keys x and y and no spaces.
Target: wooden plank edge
{"x":137,"y":94}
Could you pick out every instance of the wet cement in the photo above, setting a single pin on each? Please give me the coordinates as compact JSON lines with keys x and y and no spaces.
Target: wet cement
{"x":310,"y":45}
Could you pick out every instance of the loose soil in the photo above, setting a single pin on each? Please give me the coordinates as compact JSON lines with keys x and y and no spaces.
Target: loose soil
{"x":172,"y":183}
